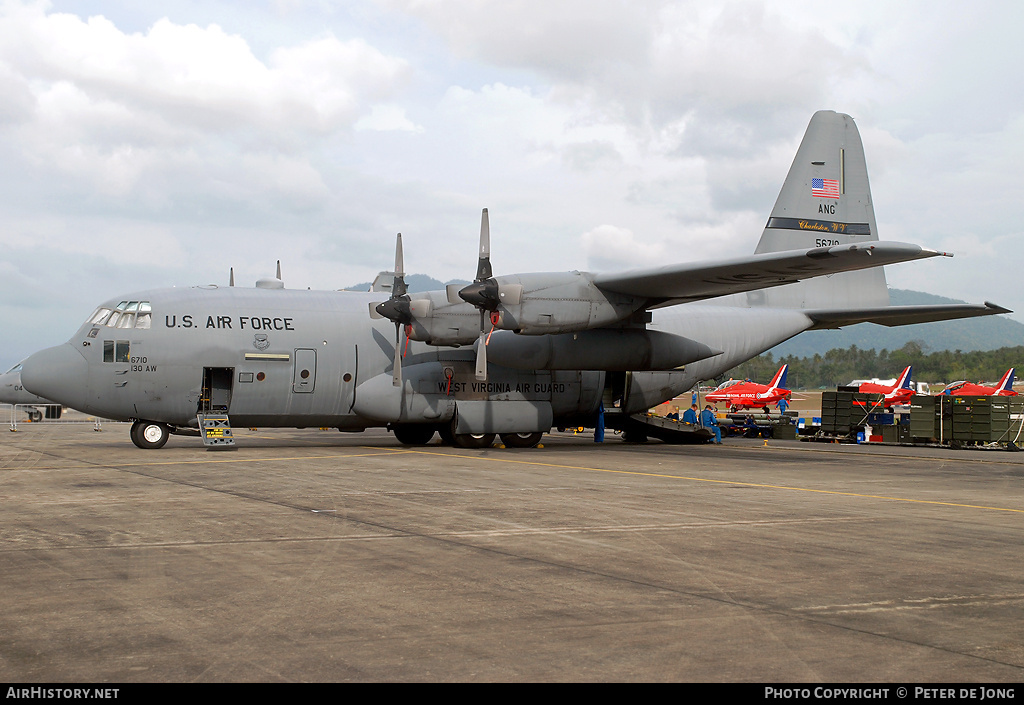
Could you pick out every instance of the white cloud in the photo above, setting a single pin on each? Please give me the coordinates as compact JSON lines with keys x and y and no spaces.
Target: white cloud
{"x":611,"y":248}
{"x":122,"y":110}
{"x":600,"y":133}
{"x":203,"y":77}
{"x":387,"y":118}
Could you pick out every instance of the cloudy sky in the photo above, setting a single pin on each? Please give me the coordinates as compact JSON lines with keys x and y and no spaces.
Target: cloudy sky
{"x":157,"y":144}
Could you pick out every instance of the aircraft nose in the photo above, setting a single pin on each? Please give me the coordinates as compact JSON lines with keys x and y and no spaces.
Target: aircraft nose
{"x":60,"y":374}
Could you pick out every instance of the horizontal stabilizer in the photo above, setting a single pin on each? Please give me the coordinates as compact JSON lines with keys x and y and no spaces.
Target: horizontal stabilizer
{"x":680,"y":283}
{"x":900,"y":315}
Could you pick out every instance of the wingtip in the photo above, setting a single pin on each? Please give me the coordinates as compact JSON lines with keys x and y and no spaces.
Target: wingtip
{"x":996,"y":308}
{"x":928,"y":252}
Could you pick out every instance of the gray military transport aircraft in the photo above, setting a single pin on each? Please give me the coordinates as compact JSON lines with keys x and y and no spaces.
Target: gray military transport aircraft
{"x":13,"y":392}
{"x":551,"y":349}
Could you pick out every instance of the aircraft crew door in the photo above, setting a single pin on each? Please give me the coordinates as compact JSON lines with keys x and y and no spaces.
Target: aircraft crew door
{"x":216,"y":395}
{"x":304,"y":372}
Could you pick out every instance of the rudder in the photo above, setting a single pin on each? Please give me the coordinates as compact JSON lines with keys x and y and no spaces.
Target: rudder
{"x":825,"y":201}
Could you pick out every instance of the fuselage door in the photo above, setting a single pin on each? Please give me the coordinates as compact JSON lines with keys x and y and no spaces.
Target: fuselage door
{"x":304,"y":372}
{"x":216,"y":390}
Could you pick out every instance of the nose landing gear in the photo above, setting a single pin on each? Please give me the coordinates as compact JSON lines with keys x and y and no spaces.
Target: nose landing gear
{"x":149,"y":435}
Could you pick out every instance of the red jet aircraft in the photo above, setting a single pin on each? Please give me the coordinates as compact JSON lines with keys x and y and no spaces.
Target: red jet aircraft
{"x":899,"y":393}
{"x":1004,"y":388}
{"x":742,"y":394}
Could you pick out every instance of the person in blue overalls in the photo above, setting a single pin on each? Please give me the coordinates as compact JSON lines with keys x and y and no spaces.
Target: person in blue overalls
{"x":690,"y":416}
{"x":710,"y":422}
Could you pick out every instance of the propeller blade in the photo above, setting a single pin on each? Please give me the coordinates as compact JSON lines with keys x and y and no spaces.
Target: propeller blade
{"x":399,"y":288}
{"x":483,"y":267}
{"x":481,"y":358}
{"x":397,"y":377}
{"x":397,"y":307}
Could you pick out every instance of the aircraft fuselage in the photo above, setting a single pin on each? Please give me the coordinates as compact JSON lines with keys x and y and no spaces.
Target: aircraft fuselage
{"x":286,"y":358}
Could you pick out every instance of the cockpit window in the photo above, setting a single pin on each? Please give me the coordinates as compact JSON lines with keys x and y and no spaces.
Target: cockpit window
{"x":145,"y":316}
{"x":127,"y":314}
{"x":100,"y":316}
{"x":730,"y":383}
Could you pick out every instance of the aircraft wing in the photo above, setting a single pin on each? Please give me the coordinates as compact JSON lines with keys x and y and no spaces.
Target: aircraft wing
{"x":681,"y":283}
{"x":899,"y":315}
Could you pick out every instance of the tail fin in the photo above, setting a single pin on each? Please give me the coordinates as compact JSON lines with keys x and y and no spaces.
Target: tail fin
{"x":779,"y":380}
{"x":904,"y":380}
{"x":825,"y":201}
{"x":1006,"y":383}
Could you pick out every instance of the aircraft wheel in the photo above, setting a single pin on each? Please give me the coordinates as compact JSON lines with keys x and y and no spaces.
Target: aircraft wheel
{"x":149,"y":435}
{"x":631,"y":435}
{"x":35,"y":416}
{"x":413,"y":434}
{"x":474,"y":440}
{"x":521,"y":440}
{"x":447,"y":435}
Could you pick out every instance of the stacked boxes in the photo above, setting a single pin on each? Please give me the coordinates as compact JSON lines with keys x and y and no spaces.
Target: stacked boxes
{"x":844,"y":411}
{"x":962,"y":419}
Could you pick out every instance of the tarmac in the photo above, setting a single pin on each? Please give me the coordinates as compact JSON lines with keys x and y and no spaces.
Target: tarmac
{"x":311,"y":555}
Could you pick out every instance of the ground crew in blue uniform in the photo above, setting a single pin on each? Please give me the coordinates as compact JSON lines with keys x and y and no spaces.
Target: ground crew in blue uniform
{"x":690,"y":416}
{"x":708,"y":421}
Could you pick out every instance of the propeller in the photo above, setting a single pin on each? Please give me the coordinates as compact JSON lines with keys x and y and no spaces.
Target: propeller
{"x":397,"y":309}
{"x":483,"y":293}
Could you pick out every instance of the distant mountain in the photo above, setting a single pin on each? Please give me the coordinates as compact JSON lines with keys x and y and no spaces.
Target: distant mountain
{"x":415,"y":282}
{"x":968,"y":334}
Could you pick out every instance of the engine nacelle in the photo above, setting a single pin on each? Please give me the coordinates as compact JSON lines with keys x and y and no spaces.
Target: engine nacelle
{"x":532,"y":304}
{"x":538,"y":304}
{"x":438,"y":321}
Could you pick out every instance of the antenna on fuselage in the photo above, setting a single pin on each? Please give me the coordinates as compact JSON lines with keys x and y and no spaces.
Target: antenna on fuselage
{"x":231,"y":277}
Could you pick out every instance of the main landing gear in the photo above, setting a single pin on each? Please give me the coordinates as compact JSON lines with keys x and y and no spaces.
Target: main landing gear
{"x":413,"y":434}
{"x":150,"y":435}
{"x":421,"y":435}
{"x":521,"y":440}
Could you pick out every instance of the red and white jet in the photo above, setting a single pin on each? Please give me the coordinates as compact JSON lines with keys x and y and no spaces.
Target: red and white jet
{"x":744,"y":394}
{"x":898,"y":393}
{"x":1004,"y":388}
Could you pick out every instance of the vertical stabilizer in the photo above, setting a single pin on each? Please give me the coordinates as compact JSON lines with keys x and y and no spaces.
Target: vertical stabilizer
{"x":1006,"y":383}
{"x":780,"y":378}
{"x":825,"y":201}
{"x":904,"y":381}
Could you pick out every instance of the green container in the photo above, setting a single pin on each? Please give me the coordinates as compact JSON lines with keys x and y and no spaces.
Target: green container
{"x":784,"y":432}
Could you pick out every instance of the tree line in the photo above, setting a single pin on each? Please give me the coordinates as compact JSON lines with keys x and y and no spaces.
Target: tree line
{"x":840,"y":366}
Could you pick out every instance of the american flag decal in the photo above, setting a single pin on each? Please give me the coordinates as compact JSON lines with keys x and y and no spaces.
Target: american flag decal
{"x":825,"y":188}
